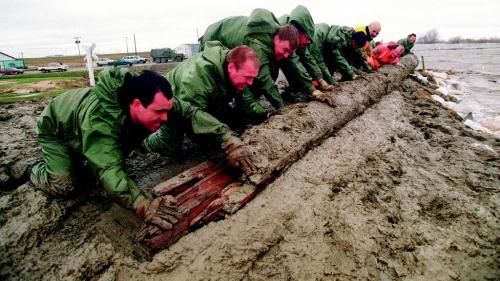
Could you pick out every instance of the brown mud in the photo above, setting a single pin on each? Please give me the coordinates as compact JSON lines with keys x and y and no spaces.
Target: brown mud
{"x":402,"y":191}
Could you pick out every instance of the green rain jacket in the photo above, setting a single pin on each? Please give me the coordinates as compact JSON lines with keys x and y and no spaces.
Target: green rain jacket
{"x":257,"y":32}
{"x":301,"y":16}
{"x":333,"y":45}
{"x":93,"y":124}
{"x":202,"y":80}
{"x":407,"y":44}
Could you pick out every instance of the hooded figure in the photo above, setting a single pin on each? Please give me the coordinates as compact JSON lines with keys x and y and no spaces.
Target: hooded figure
{"x":257,"y":31}
{"x":301,"y":18}
{"x":333,"y":49}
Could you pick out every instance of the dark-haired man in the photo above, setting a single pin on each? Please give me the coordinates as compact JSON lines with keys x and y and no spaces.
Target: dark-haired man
{"x":210,"y":80}
{"x":273,"y":43}
{"x":103,"y":123}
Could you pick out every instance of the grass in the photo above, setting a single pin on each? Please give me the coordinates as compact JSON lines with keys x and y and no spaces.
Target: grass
{"x":14,"y":97}
{"x":50,"y":75}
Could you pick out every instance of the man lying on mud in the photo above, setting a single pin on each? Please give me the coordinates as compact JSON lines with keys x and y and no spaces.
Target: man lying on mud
{"x":210,"y":80}
{"x":101,"y":125}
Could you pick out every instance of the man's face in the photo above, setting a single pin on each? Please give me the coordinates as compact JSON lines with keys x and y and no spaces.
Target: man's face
{"x":154,"y":114}
{"x":413,"y":39}
{"x":399,"y":50}
{"x":282,"y":48}
{"x":374,"y":29}
{"x":244,"y":76}
{"x":374,"y":33}
{"x":304,"y":40}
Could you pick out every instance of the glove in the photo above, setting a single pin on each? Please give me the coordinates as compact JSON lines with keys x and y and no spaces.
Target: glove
{"x":161,"y":212}
{"x":367,"y":68}
{"x":324,"y":86}
{"x":354,"y":77}
{"x":278,"y":111}
{"x":238,"y":156}
{"x":319,"y":95}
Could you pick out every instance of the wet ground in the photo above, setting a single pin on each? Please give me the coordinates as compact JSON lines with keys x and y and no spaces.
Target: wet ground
{"x":403,"y":191}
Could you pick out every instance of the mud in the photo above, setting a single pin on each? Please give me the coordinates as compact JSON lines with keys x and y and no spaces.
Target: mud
{"x":403,"y":191}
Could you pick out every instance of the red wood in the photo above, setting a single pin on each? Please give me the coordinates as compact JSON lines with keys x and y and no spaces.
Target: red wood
{"x":186,"y":178}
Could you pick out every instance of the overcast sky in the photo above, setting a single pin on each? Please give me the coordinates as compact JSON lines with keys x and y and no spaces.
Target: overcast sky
{"x":48,"y":27}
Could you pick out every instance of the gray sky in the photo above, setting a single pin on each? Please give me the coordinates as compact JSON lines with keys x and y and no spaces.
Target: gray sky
{"x":47,"y":27}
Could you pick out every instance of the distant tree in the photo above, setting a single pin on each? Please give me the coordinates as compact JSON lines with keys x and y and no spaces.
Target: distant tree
{"x":458,"y":39}
{"x":430,"y":37}
{"x":455,"y":40}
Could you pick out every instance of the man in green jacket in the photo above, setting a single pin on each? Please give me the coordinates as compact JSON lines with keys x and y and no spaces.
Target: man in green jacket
{"x":302,"y":20}
{"x":102,"y":124}
{"x":333,"y":48}
{"x":408,"y":43}
{"x":273,"y":44}
{"x":210,"y":80}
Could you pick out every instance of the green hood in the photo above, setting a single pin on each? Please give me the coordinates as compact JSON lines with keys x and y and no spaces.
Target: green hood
{"x":302,"y":17}
{"x":216,"y":53}
{"x":110,"y":79}
{"x":340,"y":36}
{"x":262,"y":21}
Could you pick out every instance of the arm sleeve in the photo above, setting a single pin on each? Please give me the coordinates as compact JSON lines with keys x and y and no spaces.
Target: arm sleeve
{"x":185,"y":118}
{"x":317,"y":53}
{"x":310,"y":63}
{"x":264,"y":83}
{"x":250,"y":105}
{"x":344,"y":67}
{"x":102,"y":150}
{"x":294,"y":70}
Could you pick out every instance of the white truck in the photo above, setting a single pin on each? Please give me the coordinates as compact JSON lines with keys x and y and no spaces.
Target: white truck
{"x":53,"y":66}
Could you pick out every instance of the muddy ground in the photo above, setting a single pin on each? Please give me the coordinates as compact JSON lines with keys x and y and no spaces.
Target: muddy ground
{"x":404,"y":191}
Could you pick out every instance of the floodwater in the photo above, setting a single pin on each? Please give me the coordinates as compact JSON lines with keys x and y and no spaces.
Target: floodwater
{"x":470,"y":72}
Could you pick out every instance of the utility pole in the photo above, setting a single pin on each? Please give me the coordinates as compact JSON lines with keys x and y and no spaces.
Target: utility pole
{"x":126,"y":42}
{"x":77,"y":41}
{"x":135,"y":46}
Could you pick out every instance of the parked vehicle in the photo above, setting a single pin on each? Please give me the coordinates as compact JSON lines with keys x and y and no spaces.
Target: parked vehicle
{"x":119,"y":62}
{"x":53,"y":66}
{"x":135,"y":59}
{"x":165,"y":54}
{"x":11,"y":71}
{"x":103,"y":61}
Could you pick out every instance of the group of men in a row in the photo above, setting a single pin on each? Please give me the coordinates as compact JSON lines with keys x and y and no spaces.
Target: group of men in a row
{"x":204,"y":97}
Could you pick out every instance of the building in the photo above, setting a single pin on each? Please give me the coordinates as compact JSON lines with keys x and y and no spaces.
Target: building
{"x":188,"y":49}
{"x":7,"y":62}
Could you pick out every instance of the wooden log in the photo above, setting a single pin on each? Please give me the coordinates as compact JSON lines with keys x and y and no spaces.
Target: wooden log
{"x":209,"y":192}
{"x":284,"y":138}
{"x":185,"y":179}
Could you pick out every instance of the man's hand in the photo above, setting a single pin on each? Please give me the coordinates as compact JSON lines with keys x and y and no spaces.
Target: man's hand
{"x":320,"y":96}
{"x":161,"y":212}
{"x":238,"y":156}
{"x":278,"y":111}
{"x":324,"y":86}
